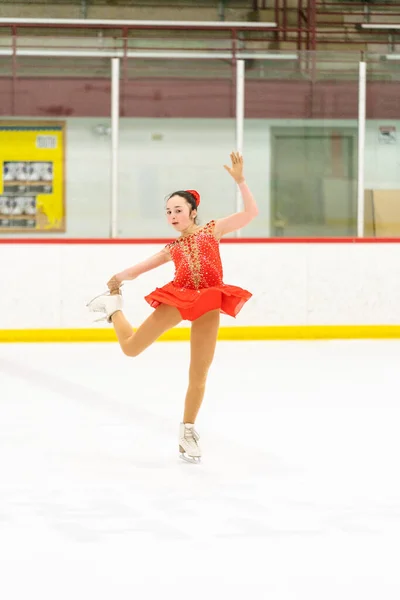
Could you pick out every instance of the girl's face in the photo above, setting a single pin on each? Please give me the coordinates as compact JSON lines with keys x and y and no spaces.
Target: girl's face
{"x":178,"y":213}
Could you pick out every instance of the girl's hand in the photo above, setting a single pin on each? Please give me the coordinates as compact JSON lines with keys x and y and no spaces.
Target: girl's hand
{"x":236,"y":170}
{"x":114,"y":284}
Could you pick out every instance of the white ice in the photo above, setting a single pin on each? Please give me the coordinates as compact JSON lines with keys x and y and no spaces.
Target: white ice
{"x":297,"y":497}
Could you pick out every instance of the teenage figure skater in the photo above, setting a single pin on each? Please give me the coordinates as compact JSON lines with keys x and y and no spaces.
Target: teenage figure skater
{"x":197,"y":294}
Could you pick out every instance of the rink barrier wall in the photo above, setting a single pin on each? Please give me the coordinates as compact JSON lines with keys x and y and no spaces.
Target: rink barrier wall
{"x":182,"y":334}
{"x":346,"y":288}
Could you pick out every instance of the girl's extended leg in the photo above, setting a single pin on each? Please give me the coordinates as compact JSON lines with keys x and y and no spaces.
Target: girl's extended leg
{"x":133,"y":343}
{"x":203,"y":340}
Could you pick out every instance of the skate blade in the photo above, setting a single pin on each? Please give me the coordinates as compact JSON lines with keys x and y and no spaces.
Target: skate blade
{"x":100,"y":320}
{"x":194,"y":460}
{"x":88,"y":305}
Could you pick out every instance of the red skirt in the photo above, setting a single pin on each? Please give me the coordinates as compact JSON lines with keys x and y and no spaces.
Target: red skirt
{"x":192,"y":304}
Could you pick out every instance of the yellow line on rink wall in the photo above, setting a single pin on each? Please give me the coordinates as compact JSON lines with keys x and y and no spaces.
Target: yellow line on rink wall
{"x":181,"y":334}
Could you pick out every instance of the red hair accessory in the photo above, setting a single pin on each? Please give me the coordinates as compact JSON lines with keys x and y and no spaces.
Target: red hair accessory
{"x":196,"y":196}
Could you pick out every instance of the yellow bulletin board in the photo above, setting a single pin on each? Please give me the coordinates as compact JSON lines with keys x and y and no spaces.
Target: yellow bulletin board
{"x":32,"y":173}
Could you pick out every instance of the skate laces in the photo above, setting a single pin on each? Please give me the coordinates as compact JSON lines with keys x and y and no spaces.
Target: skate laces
{"x":191,"y":435}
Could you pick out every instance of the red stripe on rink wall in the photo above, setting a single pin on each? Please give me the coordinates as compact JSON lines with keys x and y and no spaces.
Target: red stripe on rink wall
{"x":226,"y":241}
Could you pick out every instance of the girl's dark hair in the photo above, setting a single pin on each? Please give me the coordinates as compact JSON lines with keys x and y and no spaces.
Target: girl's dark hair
{"x":190,"y":199}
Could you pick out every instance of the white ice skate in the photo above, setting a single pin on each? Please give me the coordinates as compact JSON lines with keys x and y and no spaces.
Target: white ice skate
{"x":188,"y":443}
{"x":105,"y":303}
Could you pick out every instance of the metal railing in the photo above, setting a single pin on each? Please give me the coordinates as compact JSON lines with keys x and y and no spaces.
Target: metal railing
{"x":320,"y":21}
{"x":350,"y":22}
{"x":307,"y":24}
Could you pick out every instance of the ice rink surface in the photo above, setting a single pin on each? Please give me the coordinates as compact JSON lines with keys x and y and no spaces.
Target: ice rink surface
{"x":297,"y":496}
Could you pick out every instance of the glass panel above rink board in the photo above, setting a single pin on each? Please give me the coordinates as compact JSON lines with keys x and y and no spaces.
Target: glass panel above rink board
{"x":178,"y":123}
{"x":381,"y":155}
{"x":177,"y":129}
{"x":300,"y":138}
{"x":73,"y":94}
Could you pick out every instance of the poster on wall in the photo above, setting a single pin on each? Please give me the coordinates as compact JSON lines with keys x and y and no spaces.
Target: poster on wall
{"x":387,"y":134}
{"x":32,"y":173}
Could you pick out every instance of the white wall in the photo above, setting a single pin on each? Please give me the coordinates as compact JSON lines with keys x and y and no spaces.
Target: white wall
{"x":47,"y":286}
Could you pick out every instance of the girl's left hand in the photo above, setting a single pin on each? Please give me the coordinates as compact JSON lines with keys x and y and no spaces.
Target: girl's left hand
{"x":236,"y":170}
{"x":114,"y":284}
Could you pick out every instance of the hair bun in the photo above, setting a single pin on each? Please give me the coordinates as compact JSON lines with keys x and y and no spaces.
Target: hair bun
{"x":196,"y":196}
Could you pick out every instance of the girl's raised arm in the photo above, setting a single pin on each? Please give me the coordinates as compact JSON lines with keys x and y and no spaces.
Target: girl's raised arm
{"x":240,"y":219}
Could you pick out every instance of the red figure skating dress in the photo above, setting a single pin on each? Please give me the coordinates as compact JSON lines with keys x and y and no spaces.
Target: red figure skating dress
{"x":197,"y":287}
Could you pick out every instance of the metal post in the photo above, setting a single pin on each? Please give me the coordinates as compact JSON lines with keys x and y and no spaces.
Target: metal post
{"x":362,"y":101}
{"x":221,"y":10}
{"x":239,"y":104}
{"x":233,"y":72}
{"x":114,"y":145}
{"x":313,"y":14}
{"x":14,"y":71}
{"x":124,"y":82}
{"x":285,"y":19}
{"x":84,"y":9}
{"x":278,"y":22}
{"x":300,"y":25}
{"x":239,"y":122}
